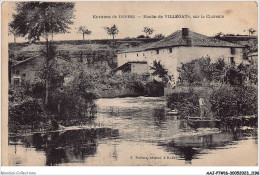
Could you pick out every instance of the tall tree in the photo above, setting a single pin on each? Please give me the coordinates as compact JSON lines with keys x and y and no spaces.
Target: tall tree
{"x":42,"y":19}
{"x":12,"y":31}
{"x":148,"y":31}
{"x":112,"y":31}
{"x":84,"y":31}
{"x":160,"y":71}
{"x":250,"y":31}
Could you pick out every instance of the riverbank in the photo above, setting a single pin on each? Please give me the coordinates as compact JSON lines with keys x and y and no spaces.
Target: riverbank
{"x":223,"y":101}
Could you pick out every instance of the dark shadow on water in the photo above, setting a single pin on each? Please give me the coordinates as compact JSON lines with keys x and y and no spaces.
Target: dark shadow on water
{"x":69,"y":146}
{"x":159,"y":117}
{"x":193,"y":146}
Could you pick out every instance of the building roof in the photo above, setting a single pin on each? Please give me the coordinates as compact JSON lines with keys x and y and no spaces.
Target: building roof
{"x":34,"y":57}
{"x":177,"y":39}
{"x":26,"y":60}
{"x":128,"y":64}
{"x":253,"y":54}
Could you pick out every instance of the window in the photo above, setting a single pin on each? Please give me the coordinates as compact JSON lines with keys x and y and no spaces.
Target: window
{"x":16,"y":81}
{"x":232,"y":61}
{"x":143,"y":54}
{"x":157,"y":51}
{"x":233,"y":50}
{"x":137,"y":55}
{"x":170,"y":50}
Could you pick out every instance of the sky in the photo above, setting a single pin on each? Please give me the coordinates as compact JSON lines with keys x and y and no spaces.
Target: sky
{"x":238,"y":16}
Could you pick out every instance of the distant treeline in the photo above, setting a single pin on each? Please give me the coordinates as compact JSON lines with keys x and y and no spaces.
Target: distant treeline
{"x":99,"y":41}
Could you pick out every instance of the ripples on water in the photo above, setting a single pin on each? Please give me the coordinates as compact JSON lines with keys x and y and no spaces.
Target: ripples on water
{"x":134,"y":131}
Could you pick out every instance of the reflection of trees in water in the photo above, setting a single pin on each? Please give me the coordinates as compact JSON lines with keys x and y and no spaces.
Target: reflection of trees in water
{"x":159,"y":117}
{"x":114,"y":154}
{"x":190,"y":147}
{"x":187,"y":153}
{"x":80,"y":121}
{"x":70,"y":146}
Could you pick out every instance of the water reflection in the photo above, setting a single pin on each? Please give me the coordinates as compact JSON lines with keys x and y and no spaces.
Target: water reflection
{"x":68,"y":147}
{"x":192,"y":146}
{"x":128,"y":127}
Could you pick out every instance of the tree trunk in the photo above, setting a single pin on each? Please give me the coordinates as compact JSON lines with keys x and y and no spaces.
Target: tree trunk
{"x":14,"y":39}
{"x":83,"y":37}
{"x":10,"y":71}
{"x":47,"y":89}
{"x":113,"y":41}
{"x":47,"y":73}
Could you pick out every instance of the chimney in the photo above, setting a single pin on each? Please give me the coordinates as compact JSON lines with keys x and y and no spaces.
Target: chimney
{"x":186,"y":37}
{"x":185,"y":33}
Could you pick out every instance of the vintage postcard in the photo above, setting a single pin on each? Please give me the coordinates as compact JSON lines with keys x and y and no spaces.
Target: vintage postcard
{"x":129,"y":83}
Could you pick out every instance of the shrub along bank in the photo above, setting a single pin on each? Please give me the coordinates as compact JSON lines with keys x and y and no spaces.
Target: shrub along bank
{"x":234,"y":101}
{"x":186,"y":103}
{"x":225,"y":101}
{"x":233,"y":92}
{"x":73,"y":103}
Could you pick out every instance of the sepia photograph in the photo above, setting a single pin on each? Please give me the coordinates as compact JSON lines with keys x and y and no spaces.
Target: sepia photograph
{"x":130,"y":83}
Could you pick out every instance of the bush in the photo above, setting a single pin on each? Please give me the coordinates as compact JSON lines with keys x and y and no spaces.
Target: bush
{"x":75,"y":99}
{"x":231,"y":101}
{"x":68,"y":105}
{"x":155,"y":88}
{"x":38,"y":90}
{"x":131,"y":81}
{"x":141,"y":36}
{"x":29,"y":112}
{"x":138,"y":87}
{"x":186,"y":103}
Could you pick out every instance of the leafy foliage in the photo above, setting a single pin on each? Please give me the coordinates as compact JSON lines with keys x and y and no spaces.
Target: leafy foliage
{"x":40,"y":19}
{"x":159,"y":36}
{"x":27,"y":112}
{"x":154,"y":88}
{"x":250,"y":31}
{"x":219,"y":35}
{"x":231,"y":101}
{"x":196,"y":71}
{"x":112,"y":31}
{"x":186,"y":103}
{"x":74,"y":96}
{"x":126,"y":80}
{"x":36,"y":19}
{"x":148,"y":31}
{"x":159,"y":70}
{"x":84,"y":31}
{"x":202,"y":70}
{"x":140,"y":36}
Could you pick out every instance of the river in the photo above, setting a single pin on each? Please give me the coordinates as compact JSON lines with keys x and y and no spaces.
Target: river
{"x":135,"y":131}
